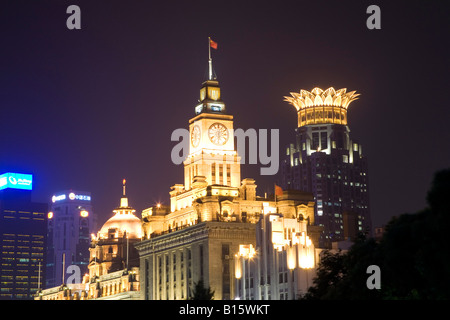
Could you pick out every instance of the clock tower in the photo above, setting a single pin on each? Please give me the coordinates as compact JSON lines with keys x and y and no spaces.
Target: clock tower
{"x":212,"y":153}
{"x":213,"y":215}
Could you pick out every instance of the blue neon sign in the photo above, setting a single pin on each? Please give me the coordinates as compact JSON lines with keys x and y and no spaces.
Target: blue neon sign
{"x":71,"y":196}
{"x":16,"y":181}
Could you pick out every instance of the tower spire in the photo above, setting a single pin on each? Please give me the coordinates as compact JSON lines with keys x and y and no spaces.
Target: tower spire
{"x":210,"y":59}
{"x":124,"y":199}
{"x":210,"y":101}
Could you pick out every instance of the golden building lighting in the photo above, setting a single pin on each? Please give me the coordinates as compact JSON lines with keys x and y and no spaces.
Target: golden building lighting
{"x":237,"y":267}
{"x":291,"y":257}
{"x":84,"y":213}
{"x":247,"y":251}
{"x":305,"y":252}
{"x":322,"y":106}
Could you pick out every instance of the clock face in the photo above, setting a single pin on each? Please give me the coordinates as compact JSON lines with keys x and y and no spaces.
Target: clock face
{"x":195,"y":136}
{"x":218,"y":134}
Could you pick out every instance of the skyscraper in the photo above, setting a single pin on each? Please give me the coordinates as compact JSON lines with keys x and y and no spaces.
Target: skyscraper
{"x":325,"y":160}
{"x":23,"y":232}
{"x":70,"y":224}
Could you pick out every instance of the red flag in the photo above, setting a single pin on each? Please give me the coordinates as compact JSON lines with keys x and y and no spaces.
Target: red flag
{"x":213,"y":44}
{"x":278,"y":191}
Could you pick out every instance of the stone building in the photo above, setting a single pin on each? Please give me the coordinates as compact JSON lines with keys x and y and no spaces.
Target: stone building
{"x":282,"y":264}
{"x":210,"y":216}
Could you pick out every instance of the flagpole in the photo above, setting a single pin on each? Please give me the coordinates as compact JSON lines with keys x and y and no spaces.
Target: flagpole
{"x":209,"y":60}
{"x":209,"y":48}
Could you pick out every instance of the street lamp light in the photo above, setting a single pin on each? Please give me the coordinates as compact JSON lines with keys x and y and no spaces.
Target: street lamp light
{"x":246,"y":252}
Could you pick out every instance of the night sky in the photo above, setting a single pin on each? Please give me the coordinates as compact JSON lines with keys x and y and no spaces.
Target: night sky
{"x":84,"y":109}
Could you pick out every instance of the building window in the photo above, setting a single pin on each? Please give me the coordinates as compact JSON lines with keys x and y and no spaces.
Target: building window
{"x":323,"y":140}
{"x":315,"y":141}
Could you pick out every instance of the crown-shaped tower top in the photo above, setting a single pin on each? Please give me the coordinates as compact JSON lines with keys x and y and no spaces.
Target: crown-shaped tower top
{"x":322,"y":106}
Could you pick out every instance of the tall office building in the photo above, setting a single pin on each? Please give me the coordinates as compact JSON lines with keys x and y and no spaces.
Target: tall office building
{"x":70,"y":224}
{"x":23,"y":232}
{"x":327,"y":161}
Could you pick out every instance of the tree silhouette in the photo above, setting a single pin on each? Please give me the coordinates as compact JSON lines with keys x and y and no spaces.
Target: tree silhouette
{"x":201,"y":292}
{"x":412,"y":255}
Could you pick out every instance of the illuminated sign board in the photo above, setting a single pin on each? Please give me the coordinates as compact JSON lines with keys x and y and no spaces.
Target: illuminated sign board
{"x":59,"y":198}
{"x":71,"y":196}
{"x":16,"y":181}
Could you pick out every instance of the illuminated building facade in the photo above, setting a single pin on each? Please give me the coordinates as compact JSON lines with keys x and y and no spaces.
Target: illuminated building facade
{"x":282,"y":265}
{"x":118,"y":285}
{"x":70,"y":224}
{"x":113,"y":262}
{"x":326,"y":161}
{"x":112,"y":249}
{"x":210,"y":216}
{"x":23,"y":232}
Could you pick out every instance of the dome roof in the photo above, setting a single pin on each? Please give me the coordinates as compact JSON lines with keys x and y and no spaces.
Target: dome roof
{"x":125,"y":221}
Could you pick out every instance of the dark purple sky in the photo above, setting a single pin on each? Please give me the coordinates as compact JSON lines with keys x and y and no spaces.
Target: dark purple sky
{"x":83,"y":109}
